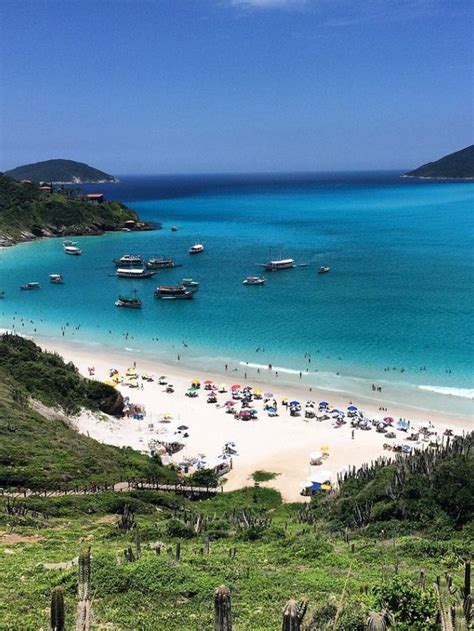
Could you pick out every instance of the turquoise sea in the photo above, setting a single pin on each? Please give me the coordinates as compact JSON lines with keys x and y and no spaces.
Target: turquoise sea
{"x":396,"y":308}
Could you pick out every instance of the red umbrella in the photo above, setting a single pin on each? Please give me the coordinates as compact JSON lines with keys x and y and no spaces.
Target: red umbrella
{"x":389,"y":419}
{"x":208,"y":381}
{"x":236,"y":386}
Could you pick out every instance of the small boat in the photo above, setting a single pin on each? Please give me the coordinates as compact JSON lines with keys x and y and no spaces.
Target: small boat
{"x":174,"y":228}
{"x":128,"y":302}
{"x":2,"y":294}
{"x":160,"y":262}
{"x":197,"y":248}
{"x":324,"y":269}
{"x":190,"y":283}
{"x":173,"y":292}
{"x":279,"y":264}
{"x":254,"y":280}
{"x":129,"y":260}
{"x":30,"y":286}
{"x":129,"y":272}
{"x":70,"y":247}
{"x":57,"y":279}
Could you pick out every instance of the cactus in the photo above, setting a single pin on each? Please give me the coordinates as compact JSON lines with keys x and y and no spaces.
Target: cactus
{"x":128,"y":555}
{"x":84,"y":572}
{"x":138,"y":544}
{"x":467,"y":579}
{"x":127,"y":519}
{"x":222,"y":609}
{"x":379,"y":621}
{"x":57,"y":610}
{"x":178,"y":551}
{"x":293,"y":615}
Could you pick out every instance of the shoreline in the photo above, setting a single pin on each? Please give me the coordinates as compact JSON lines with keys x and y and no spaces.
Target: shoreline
{"x":280,"y":445}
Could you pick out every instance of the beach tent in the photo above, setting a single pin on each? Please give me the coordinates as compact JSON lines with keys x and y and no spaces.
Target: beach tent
{"x":315,"y":456}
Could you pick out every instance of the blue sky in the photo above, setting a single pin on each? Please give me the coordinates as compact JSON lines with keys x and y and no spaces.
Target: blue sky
{"x":189,"y":86}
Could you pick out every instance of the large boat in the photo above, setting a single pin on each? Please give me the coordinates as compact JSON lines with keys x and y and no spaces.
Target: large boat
{"x":70,"y":247}
{"x":279,"y":264}
{"x":128,"y":302}
{"x":197,"y":248}
{"x":254,"y":280}
{"x":130,"y":272}
{"x":324,"y":269}
{"x":160,"y":262}
{"x":129,"y":260}
{"x":191,"y":284}
{"x":29,"y":286}
{"x":173,"y":292}
{"x":57,"y":279}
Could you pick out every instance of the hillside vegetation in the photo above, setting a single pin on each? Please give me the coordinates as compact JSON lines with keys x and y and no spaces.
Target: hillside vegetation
{"x":27,"y":212}
{"x":459,"y":164}
{"x":60,"y":171}
{"x":39,"y":453}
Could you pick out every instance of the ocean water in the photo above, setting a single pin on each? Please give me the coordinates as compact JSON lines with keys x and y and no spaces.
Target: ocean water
{"x":396,"y":308}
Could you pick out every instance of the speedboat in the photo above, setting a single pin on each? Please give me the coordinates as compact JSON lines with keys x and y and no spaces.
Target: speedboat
{"x":279,"y":264}
{"x":160,"y":262}
{"x":197,"y":248}
{"x":30,"y":286}
{"x":2,"y":294}
{"x":129,"y":260}
{"x":125,"y":272}
{"x":70,"y":247}
{"x":133,"y":302}
{"x":189,"y":283}
{"x":173,"y":292}
{"x":254,"y":280}
{"x":57,"y":279}
{"x":174,"y":228}
{"x":324,"y":269}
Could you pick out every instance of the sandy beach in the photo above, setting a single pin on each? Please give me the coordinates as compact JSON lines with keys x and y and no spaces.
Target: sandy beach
{"x":280,"y":444}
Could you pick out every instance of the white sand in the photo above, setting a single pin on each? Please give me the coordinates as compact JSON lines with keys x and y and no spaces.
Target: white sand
{"x":280,"y":445}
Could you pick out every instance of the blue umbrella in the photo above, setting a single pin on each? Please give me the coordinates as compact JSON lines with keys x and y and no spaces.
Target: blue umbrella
{"x":325,"y":403}
{"x":294,"y":403}
{"x":352,"y":408}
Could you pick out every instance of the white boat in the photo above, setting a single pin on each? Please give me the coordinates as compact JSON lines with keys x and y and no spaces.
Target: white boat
{"x":129,"y":260}
{"x":190,"y":283}
{"x":324,"y":269}
{"x":254,"y":280}
{"x":130,"y":272}
{"x":173,"y":292}
{"x":279,"y":264}
{"x":57,"y":279}
{"x":29,"y":286}
{"x":160,"y":262}
{"x":197,"y":248}
{"x":70,"y":247}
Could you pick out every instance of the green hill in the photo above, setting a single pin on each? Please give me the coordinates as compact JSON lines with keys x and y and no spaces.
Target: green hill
{"x":457,"y":165}
{"x":39,"y":453}
{"x":61,"y":172}
{"x":27,"y":212}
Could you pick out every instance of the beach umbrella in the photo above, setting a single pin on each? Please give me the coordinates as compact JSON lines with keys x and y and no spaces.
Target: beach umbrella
{"x":183,"y":427}
{"x":244,"y":412}
{"x":352,"y":408}
{"x":323,"y":403}
{"x":314,"y":456}
{"x":109,"y":382}
{"x":257,"y":391}
{"x":294,"y":403}
{"x":208,"y":381}
{"x":236,"y":386}
{"x":268,"y":394}
{"x":389,"y":419}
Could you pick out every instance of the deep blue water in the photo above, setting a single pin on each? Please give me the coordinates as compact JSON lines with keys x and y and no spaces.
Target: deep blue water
{"x":399,"y":294}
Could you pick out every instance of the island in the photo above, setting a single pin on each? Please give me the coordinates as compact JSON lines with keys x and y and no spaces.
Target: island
{"x":61,"y":172}
{"x":29,"y":210}
{"x":457,"y":166}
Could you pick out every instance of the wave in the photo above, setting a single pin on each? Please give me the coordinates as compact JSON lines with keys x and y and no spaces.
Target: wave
{"x":465,"y":393}
{"x":288,"y":371}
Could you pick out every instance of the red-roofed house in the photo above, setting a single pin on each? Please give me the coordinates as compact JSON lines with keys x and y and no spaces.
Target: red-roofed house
{"x":97,"y":198}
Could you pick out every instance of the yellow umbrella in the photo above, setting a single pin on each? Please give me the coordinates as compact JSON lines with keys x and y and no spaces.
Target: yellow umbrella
{"x":257,"y":391}
{"x":109,"y":382}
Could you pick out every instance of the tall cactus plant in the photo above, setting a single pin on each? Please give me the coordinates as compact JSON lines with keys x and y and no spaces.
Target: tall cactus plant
{"x":84,"y":582}
{"x":379,"y":621}
{"x":222,"y":609}
{"x":58,"y":619}
{"x":293,"y":615}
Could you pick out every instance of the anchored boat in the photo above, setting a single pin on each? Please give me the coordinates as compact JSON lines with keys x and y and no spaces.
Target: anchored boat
{"x":29,"y":286}
{"x":197,"y":248}
{"x":324,"y":269}
{"x":254,"y":280}
{"x":173,"y":292}
{"x":128,"y":302}
{"x":129,"y":260}
{"x":56,"y":279}
{"x":70,"y":247}
{"x":125,"y":272}
{"x":279,"y":264}
{"x":160,"y":262}
{"x":191,"y":284}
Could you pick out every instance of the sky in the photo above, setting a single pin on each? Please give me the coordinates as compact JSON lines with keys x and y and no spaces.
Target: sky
{"x":208,"y":86}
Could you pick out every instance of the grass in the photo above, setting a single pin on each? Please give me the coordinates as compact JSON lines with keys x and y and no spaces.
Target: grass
{"x":263,"y":476}
{"x":288,"y":559}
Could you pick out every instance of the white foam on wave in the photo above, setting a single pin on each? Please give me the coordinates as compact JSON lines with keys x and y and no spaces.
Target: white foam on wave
{"x":465,"y":393}
{"x":132,"y":350}
{"x":288,"y":371}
